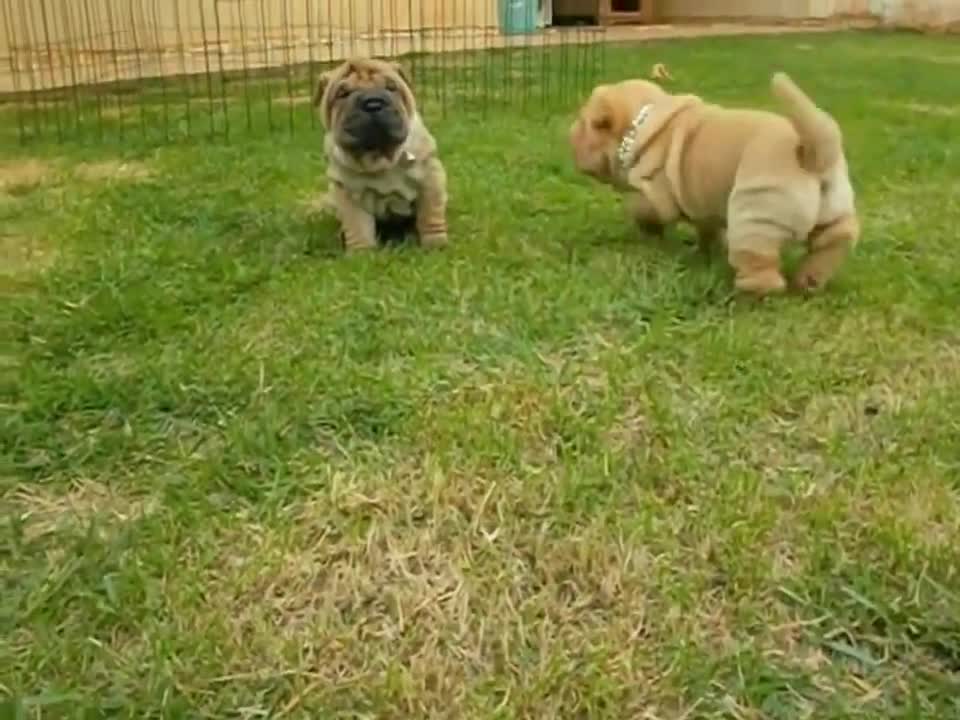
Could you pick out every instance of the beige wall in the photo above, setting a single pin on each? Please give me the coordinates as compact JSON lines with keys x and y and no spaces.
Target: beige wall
{"x":760,"y":9}
{"x":921,"y":13}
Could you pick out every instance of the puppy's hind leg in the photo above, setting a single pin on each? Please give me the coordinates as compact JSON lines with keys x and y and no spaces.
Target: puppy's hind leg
{"x":828,"y":246}
{"x":761,"y":218}
{"x":753,"y":249}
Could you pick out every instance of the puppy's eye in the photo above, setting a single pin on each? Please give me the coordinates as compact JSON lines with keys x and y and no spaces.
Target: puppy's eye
{"x":390,"y":86}
{"x":342,"y":92}
{"x":601,"y":123}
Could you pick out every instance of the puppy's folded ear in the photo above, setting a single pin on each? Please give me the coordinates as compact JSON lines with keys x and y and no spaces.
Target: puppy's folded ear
{"x":321,"y":88}
{"x":601,"y":121}
{"x":601,"y":117}
{"x":402,"y":72}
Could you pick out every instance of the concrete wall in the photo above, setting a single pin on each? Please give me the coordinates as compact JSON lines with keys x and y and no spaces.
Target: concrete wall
{"x":906,"y":13}
{"x":920,"y":13}
{"x":760,"y":9}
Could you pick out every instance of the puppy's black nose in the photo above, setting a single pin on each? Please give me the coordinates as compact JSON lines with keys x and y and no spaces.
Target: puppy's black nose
{"x":373,"y":104}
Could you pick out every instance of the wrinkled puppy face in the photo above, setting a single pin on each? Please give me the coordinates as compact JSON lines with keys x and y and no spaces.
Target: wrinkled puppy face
{"x":367,"y":105}
{"x":593,"y":138}
{"x":602,"y":122}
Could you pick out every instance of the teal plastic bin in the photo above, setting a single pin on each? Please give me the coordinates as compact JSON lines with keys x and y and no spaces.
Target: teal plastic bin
{"x":518,"y":17}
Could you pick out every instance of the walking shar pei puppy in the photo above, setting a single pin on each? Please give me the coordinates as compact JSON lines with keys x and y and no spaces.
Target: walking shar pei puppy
{"x":761,"y":178}
{"x":382,"y":164}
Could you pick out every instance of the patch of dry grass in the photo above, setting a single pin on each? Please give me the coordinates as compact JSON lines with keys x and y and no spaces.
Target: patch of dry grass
{"x":294,"y":100}
{"x":112,"y":170}
{"x":24,"y":176}
{"x":32,"y":193}
{"x":927,"y":109}
{"x":22,"y":254}
{"x":41,"y":511}
{"x":459,"y":598}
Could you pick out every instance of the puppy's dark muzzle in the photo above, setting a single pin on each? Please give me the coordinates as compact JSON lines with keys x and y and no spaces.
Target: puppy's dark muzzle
{"x":373,"y":105}
{"x":373,"y":123}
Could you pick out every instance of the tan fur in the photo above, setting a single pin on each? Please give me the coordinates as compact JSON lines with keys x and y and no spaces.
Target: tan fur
{"x":411,"y":182}
{"x":757,"y":177}
{"x":821,"y":142}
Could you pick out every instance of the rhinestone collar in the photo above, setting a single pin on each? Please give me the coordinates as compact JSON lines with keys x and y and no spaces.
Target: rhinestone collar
{"x":629,"y":141}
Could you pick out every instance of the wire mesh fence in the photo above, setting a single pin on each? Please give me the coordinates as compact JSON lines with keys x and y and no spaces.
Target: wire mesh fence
{"x":169,"y":69}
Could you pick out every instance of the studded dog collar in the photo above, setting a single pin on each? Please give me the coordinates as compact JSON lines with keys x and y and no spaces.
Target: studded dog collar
{"x":629,"y":141}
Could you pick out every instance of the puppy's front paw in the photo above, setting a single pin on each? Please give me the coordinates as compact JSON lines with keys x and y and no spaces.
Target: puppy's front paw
{"x":358,"y":249}
{"x":352,"y":246}
{"x":435,"y":239}
{"x":768,"y":282}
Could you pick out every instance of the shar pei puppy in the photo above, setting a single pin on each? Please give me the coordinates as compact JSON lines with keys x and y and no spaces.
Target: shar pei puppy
{"x":385,"y":176}
{"x":760,"y":178}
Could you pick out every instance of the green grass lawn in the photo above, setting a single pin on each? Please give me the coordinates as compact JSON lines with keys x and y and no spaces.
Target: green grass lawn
{"x":549,"y":472}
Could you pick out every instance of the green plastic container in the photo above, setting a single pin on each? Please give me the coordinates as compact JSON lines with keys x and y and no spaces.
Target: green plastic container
{"x":518,"y":17}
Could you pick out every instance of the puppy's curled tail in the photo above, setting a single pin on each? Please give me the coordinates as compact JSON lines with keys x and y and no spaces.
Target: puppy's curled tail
{"x":821,"y":142}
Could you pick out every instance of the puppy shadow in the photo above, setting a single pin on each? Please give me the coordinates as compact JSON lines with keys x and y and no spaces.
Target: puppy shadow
{"x":319,"y":228}
{"x":676,"y":244}
{"x":396,"y":233}
{"x":703,"y":264}
{"x":323,"y":237}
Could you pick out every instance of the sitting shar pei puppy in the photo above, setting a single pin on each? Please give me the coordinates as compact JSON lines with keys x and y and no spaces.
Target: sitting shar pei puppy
{"x":760,"y":178}
{"x":385,"y":176}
